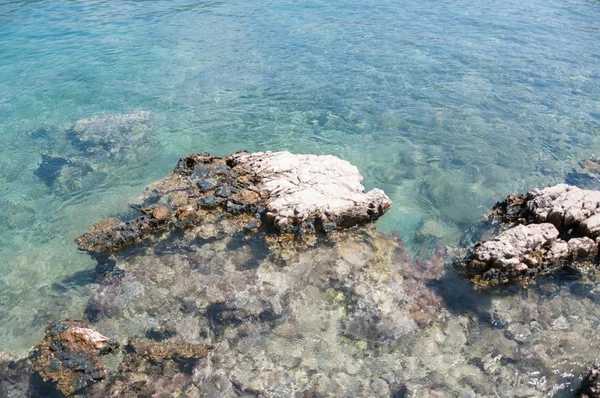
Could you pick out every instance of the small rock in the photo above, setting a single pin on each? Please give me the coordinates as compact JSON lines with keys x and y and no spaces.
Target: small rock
{"x":68,"y":355}
{"x":160,"y":212}
{"x":210,"y":202}
{"x":590,"y":226}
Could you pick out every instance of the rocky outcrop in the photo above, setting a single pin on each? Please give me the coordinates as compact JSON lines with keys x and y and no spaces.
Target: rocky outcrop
{"x":68,"y":356}
{"x":522,"y":250}
{"x":590,"y":386}
{"x":277,"y":192}
{"x":565,"y":206}
{"x":554,"y":226}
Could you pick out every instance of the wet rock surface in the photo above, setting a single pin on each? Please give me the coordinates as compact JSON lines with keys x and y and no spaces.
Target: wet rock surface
{"x":68,"y":356}
{"x":151,"y":368}
{"x":276,"y":192}
{"x":281,"y":320}
{"x":544,"y":230}
{"x":351,"y":314}
{"x":84,"y":153}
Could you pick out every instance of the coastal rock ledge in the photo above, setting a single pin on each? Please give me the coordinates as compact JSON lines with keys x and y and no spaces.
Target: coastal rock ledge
{"x":277,"y":192}
{"x":544,"y":230}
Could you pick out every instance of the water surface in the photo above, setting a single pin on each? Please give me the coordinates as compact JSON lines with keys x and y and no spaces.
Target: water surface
{"x":446,"y":105}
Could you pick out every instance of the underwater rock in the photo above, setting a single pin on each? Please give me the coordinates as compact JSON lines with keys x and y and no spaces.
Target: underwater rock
{"x":590,"y":386}
{"x":533,"y":248}
{"x":151,"y":368}
{"x":279,"y":319}
{"x":68,"y":355}
{"x":587,"y":176}
{"x":110,"y":134}
{"x":288,"y":194}
{"x":85,"y":151}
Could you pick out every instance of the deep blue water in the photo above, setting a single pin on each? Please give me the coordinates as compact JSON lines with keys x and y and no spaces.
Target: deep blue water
{"x":446,"y":105}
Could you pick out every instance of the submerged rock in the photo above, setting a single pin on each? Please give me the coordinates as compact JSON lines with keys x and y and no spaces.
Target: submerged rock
{"x":317,"y":317}
{"x":285,"y":193}
{"x":151,"y":368}
{"x":555,"y":226}
{"x":85,"y":152}
{"x":587,"y":176}
{"x":68,"y":356}
{"x":111,"y":134}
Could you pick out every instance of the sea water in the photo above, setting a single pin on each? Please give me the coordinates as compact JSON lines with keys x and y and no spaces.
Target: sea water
{"x":446,"y":105}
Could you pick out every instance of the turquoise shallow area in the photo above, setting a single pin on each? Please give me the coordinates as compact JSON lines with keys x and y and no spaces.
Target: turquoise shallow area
{"x":447,"y":106}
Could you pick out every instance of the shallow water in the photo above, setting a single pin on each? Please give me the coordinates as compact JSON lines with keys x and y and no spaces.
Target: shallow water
{"x":447,"y":106}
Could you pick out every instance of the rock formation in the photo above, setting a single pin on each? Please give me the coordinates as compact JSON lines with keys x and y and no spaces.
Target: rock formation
{"x":587,"y":176}
{"x":68,"y":356}
{"x":83,"y":153}
{"x":151,"y":368}
{"x":277,"y":192}
{"x":548,"y":227}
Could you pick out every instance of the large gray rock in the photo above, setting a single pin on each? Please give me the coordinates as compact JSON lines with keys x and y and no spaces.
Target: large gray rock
{"x":309,"y":187}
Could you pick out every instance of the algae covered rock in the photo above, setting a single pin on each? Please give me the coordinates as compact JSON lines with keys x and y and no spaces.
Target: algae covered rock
{"x":68,"y":355}
{"x":151,"y":368}
{"x":277,"y":192}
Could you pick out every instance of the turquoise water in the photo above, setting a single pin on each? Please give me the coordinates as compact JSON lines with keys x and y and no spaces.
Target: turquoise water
{"x":447,"y":106}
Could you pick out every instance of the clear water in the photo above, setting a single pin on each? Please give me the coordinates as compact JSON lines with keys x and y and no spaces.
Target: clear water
{"x":447,"y":106}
